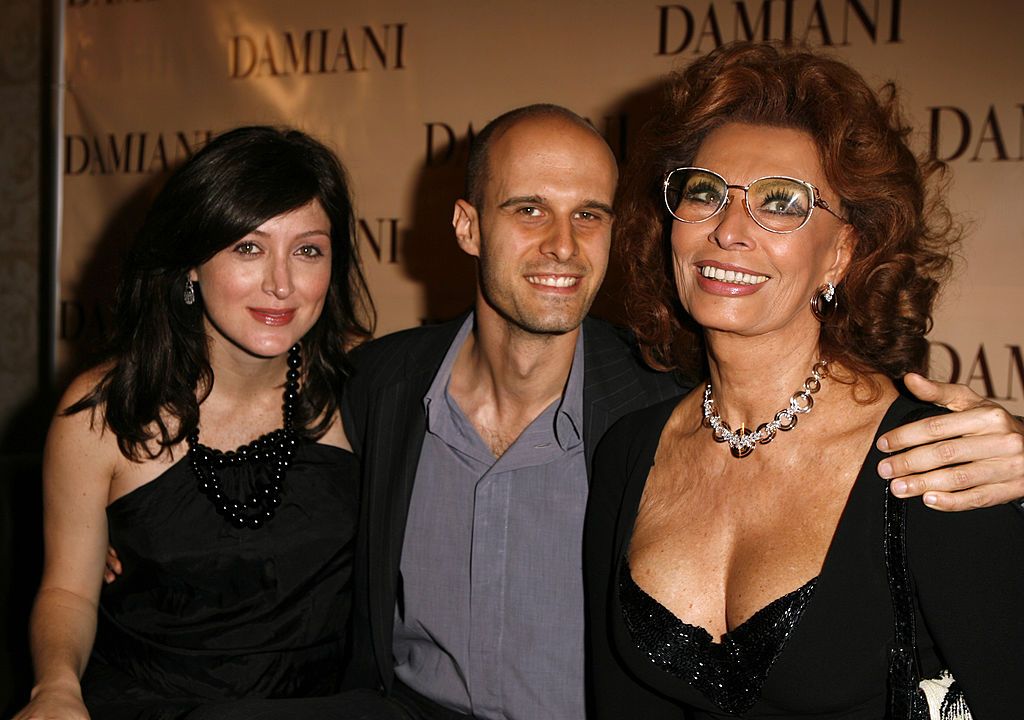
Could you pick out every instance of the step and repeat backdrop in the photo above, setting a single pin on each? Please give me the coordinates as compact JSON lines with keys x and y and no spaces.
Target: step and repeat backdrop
{"x":398,"y":88}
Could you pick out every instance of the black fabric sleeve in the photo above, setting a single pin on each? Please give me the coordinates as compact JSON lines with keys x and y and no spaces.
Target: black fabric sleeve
{"x":353,"y":402}
{"x":361,"y":671}
{"x":968,"y":568}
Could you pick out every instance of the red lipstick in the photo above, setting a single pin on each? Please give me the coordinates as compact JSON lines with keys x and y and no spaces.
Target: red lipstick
{"x":729,"y":285}
{"x":271,"y":316}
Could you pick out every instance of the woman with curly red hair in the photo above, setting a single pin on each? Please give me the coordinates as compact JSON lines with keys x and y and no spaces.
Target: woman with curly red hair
{"x":782,"y":241}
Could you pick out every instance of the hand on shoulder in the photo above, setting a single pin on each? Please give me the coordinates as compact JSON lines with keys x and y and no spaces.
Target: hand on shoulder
{"x":972,"y":457}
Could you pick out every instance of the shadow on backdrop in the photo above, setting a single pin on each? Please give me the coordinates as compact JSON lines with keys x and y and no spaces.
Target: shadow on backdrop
{"x":430,"y":255}
{"x":621,"y":122}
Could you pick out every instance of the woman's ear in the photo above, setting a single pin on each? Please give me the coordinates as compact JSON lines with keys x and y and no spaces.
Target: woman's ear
{"x":846,"y":242}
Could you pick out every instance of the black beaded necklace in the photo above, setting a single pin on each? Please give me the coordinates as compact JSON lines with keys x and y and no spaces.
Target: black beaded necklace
{"x":275,"y":449}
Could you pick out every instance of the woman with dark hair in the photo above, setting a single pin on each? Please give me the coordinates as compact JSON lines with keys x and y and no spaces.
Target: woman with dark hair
{"x":238,"y":301}
{"x":782,"y":242}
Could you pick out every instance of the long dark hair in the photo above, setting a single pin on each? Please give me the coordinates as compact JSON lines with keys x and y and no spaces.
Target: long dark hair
{"x":158,"y":352}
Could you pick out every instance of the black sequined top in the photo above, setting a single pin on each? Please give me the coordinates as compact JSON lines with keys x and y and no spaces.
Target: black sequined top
{"x":731,"y":672}
{"x":820,"y":652}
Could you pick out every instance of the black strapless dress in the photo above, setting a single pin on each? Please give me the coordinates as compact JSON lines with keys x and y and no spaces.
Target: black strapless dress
{"x":206,"y":612}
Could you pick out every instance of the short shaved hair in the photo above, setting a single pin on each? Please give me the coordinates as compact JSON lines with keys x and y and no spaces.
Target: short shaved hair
{"x":477,"y":169}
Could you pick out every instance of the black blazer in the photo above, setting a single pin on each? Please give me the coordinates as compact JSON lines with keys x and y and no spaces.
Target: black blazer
{"x":384,"y":419}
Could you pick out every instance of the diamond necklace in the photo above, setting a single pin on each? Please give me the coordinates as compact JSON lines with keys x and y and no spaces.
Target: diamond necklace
{"x":743,"y":441}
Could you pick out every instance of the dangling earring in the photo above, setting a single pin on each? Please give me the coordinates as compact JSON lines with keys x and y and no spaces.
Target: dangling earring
{"x":190,"y":292}
{"x":824,"y":302}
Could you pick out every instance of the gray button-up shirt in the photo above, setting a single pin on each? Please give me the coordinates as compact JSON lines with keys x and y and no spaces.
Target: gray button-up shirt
{"x":489,"y":619}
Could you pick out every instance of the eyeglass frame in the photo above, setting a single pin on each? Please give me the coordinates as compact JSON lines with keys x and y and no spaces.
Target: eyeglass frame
{"x":816,"y":199}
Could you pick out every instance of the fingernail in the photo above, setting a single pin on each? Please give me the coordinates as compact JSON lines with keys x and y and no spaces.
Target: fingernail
{"x":885,"y":470}
{"x":883,"y":444}
{"x":898,"y":487}
{"x":931,"y":499}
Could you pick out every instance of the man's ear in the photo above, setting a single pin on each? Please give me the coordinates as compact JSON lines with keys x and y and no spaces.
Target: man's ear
{"x":466,"y":222}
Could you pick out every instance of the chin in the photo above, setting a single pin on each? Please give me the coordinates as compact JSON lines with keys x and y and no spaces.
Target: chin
{"x":269,"y":348}
{"x":551,"y":327}
{"x":546,"y":319}
{"x":718,"y":310}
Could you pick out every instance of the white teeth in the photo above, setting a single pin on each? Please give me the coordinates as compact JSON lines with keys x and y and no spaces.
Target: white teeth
{"x":732,"y":276}
{"x":558,"y":281}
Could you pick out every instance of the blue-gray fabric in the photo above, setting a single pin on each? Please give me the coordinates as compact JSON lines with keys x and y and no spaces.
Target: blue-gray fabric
{"x":489,"y":616}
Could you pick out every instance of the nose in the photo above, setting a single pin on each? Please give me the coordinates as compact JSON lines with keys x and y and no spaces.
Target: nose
{"x":277,"y":278}
{"x":733,"y":224}
{"x":560,"y":243}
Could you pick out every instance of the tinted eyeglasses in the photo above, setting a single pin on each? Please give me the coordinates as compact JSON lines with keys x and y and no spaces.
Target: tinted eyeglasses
{"x":777,"y":203}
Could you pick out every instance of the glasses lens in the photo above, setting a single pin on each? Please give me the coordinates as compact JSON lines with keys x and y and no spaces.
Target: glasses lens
{"x":694,"y":195}
{"x":779,"y":204}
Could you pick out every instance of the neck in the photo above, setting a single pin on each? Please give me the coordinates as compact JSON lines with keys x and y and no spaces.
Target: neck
{"x":239,"y":374}
{"x":753,"y":378}
{"x":515,"y":372}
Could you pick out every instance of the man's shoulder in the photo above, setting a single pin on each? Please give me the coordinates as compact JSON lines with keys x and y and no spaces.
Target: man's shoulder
{"x":402,"y":353}
{"x":410,"y":345}
{"x":410,"y":337}
{"x":646,"y":422}
{"x":607,"y":331}
{"x":612,"y":351}
{"x":605,"y":343}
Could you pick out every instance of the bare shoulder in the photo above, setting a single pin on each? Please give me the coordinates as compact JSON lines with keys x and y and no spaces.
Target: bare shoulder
{"x":81,"y":385}
{"x":864,"y":403}
{"x":81,"y":437}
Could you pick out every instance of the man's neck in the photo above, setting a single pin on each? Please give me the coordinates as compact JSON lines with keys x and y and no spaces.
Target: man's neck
{"x":504,"y":377}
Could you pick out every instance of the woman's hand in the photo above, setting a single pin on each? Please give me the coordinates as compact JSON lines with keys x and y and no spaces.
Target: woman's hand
{"x":55,"y":702}
{"x":970,"y":458}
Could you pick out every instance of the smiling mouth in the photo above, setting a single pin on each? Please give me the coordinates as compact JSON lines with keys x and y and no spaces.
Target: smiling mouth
{"x":555,"y":281}
{"x":732,"y":276}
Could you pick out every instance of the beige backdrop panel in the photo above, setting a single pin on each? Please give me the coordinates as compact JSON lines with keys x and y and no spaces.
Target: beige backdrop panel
{"x":396,"y":86}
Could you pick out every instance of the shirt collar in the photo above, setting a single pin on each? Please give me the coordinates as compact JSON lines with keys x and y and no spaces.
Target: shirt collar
{"x":568,"y":418}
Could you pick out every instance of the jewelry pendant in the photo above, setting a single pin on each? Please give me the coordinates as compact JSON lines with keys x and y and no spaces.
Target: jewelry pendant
{"x":742,"y":449}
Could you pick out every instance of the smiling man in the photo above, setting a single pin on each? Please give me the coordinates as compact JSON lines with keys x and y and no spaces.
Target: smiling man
{"x":476,"y":491}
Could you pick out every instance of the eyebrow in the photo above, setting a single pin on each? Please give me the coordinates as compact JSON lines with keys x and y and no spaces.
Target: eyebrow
{"x":538,"y":200}
{"x":598,"y":205}
{"x":523,"y":200}
{"x":308,"y":233}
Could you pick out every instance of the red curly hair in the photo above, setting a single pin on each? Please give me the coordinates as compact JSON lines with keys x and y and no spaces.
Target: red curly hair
{"x":904,"y":238}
